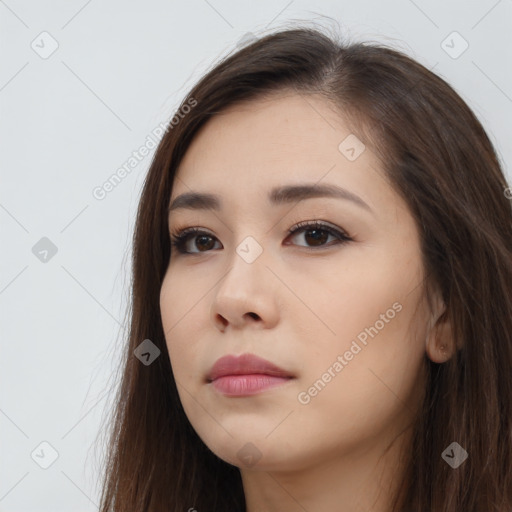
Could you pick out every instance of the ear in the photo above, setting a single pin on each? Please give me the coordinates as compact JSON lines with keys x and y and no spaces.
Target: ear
{"x":440,"y":345}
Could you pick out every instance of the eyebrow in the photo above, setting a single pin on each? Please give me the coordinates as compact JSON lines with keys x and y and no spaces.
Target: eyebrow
{"x":277,"y":196}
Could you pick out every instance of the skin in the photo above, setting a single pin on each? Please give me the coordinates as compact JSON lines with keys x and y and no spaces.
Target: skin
{"x":300,"y":305}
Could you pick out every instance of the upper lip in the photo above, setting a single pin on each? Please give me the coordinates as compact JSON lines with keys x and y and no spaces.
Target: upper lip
{"x":245,"y":364}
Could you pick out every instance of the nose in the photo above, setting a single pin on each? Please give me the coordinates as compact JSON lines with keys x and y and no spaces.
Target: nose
{"x":246,"y":296}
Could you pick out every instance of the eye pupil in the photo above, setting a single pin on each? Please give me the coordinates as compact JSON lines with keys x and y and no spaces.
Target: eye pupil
{"x":318,"y":239}
{"x":202,"y":238}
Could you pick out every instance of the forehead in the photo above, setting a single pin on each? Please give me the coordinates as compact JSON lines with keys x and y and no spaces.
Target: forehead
{"x":252,"y":147}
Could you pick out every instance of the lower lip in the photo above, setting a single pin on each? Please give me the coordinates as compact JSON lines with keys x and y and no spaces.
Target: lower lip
{"x":245,"y":385}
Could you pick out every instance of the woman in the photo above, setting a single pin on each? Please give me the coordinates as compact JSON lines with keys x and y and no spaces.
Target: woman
{"x":322,"y":310}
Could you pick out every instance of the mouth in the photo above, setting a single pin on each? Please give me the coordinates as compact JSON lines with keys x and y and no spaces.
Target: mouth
{"x":246,"y":365}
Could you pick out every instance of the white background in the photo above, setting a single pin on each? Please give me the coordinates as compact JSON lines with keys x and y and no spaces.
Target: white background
{"x":70,"y":120}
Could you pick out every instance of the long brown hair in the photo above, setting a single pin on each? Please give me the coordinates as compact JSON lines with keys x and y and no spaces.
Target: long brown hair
{"x":438,"y":157}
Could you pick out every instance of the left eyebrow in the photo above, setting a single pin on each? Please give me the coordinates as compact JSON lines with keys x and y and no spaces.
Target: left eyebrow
{"x":277,"y":196}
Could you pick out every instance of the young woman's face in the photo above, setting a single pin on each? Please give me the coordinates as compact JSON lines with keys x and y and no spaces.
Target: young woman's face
{"x":346,"y":319}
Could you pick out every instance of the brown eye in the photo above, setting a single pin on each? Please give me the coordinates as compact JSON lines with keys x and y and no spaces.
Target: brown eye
{"x":204,"y":242}
{"x":316,"y":234}
{"x":192,"y":241}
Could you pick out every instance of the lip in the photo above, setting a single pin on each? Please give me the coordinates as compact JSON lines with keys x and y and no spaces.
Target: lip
{"x":247,"y":385}
{"x":246,"y":364}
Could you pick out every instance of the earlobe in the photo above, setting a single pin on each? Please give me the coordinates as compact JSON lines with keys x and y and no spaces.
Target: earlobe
{"x":440,"y":345}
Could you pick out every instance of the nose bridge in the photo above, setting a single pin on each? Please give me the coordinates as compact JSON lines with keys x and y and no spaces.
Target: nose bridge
{"x":246,"y":286}
{"x":246,"y":268}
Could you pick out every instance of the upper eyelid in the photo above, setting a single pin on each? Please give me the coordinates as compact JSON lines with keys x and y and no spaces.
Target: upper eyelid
{"x":321,"y":223}
{"x":301,"y":225}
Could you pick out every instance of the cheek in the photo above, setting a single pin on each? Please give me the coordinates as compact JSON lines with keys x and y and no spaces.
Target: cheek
{"x":368,"y":299}
{"x":180,"y":311}
{"x":369,"y":368}
{"x":373,"y":395}
{"x":182,"y":302}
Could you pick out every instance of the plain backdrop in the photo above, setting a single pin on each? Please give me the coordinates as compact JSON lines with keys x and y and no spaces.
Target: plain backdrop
{"x":82,"y":85}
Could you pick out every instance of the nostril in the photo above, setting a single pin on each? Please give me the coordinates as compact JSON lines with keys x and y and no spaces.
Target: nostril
{"x":223,"y":322}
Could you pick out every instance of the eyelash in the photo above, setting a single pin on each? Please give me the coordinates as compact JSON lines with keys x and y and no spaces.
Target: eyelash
{"x":179,"y":239}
